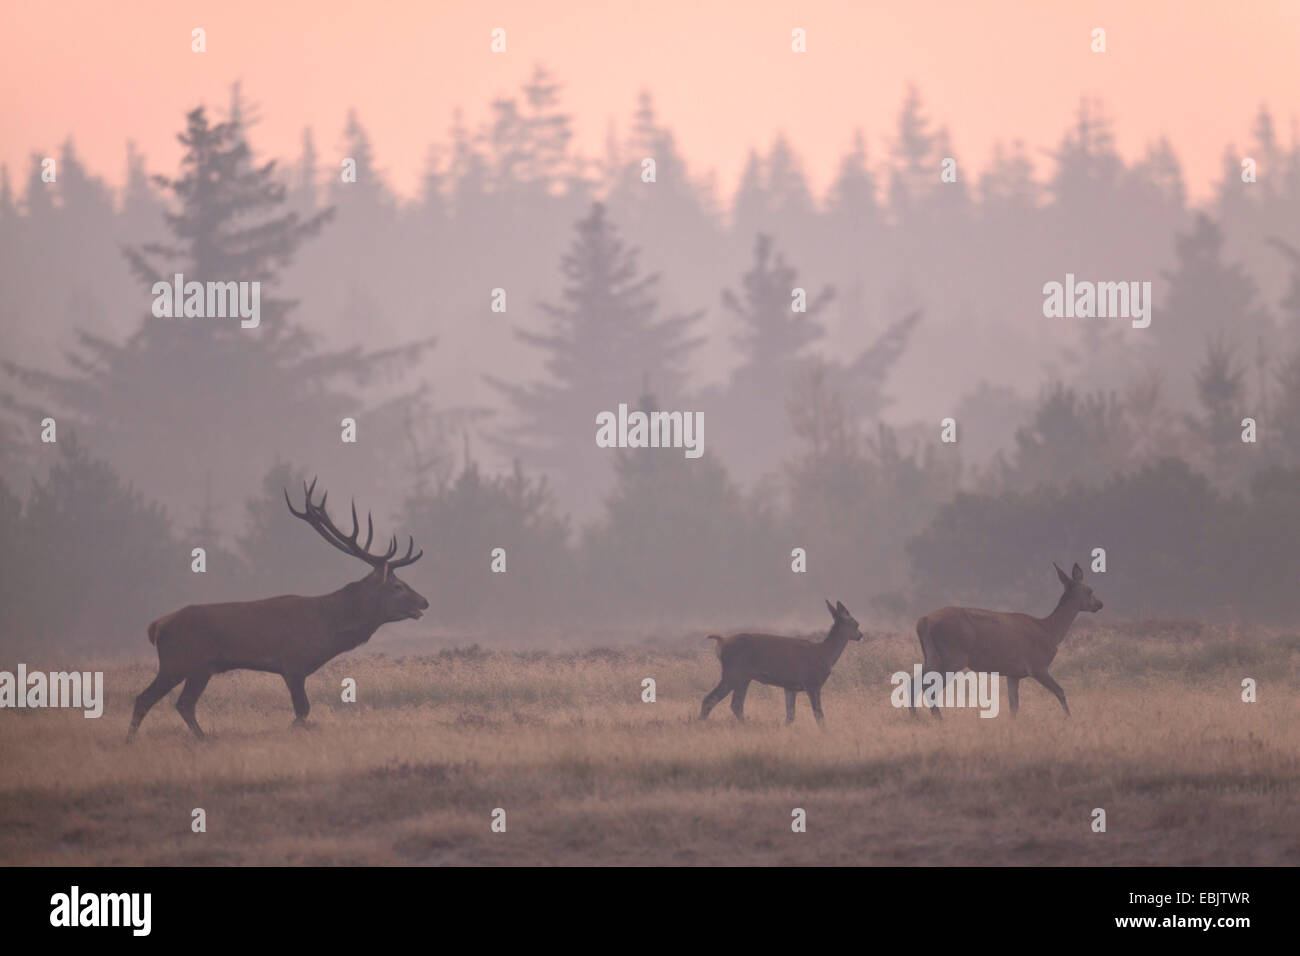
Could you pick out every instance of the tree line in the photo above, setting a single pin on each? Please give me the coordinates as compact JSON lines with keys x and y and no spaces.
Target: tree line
{"x":156,"y":418}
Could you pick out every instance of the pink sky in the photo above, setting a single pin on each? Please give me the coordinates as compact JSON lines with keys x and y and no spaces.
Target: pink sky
{"x":721,"y":71}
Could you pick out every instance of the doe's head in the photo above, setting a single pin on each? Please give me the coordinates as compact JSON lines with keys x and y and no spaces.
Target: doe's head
{"x":844,"y":621}
{"x":1076,"y":590}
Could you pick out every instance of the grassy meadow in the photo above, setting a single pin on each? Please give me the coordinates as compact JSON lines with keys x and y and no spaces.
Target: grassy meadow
{"x":589,"y":774}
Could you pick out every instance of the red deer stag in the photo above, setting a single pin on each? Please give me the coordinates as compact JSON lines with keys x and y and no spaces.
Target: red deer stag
{"x":1013,"y":645}
{"x":787,"y":662}
{"x":291,"y":636}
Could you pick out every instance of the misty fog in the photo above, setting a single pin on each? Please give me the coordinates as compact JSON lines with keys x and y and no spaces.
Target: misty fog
{"x":474,"y":334}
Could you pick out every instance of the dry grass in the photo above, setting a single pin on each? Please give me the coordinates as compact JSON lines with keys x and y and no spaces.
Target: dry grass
{"x":588,"y":774}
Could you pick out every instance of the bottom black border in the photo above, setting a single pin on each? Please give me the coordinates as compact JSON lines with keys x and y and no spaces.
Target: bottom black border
{"x":946,"y":907}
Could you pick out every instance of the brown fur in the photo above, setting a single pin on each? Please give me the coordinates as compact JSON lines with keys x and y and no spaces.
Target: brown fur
{"x":790,"y":663}
{"x":1012,"y":644}
{"x":291,"y":636}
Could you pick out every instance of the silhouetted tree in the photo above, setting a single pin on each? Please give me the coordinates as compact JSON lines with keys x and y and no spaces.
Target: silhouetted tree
{"x":1071,"y":440}
{"x":1268,"y":548}
{"x":142,"y":209}
{"x":853,"y":503}
{"x":771,"y":342}
{"x":677,"y":537}
{"x":673,"y":205}
{"x":852,"y":205}
{"x":189,"y":395}
{"x":303,"y":199}
{"x":1177,"y":535}
{"x":118,"y":566}
{"x":914,"y":168}
{"x":18,"y":575}
{"x":8,"y":208}
{"x":989,"y":416}
{"x":513,"y":512}
{"x":1088,"y":168}
{"x":1220,"y":388}
{"x":1207,"y":299}
{"x":604,"y":341}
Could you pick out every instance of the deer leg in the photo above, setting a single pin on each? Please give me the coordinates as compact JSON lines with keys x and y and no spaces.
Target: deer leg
{"x":1013,"y":694}
{"x":916,"y":687}
{"x":789,"y":706}
{"x":943,"y":679}
{"x":738,"y":700}
{"x":928,"y":653}
{"x":189,"y":697}
{"x":298,"y":691}
{"x":713,"y":697}
{"x":160,"y":688}
{"x":1046,"y":680}
{"x":815,"y":698}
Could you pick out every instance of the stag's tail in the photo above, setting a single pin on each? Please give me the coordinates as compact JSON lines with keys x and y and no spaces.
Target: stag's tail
{"x":717,"y":648}
{"x":154,"y":627}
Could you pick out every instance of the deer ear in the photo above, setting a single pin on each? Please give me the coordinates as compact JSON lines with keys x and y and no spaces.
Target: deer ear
{"x":839,"y":606}
{"x":830,"y":607}
{"x":1078,"y":573}
{"x":1065,"y":578}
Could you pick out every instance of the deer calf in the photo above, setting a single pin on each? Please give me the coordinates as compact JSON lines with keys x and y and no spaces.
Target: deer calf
{"x":787,"y":662}
{"x":291,"y":636}
{"x":1011,"y":644}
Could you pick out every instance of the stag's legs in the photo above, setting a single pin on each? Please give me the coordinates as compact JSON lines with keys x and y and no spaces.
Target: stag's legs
{"x":298,"y":691}
{"x":1013,"y":694}
{"x":713,"y":697}
{"x":943,"y":679}
{"x":928,"y":653}
{"x":815,"y":698}
{"x":931,"y":655}
{"x":1046,"y":680}
{"x":738,"y":701}
{"x":789,"y":706}
{"x":189,"y":697}
{"x":160,"y":688}
{"x":916,"y":687}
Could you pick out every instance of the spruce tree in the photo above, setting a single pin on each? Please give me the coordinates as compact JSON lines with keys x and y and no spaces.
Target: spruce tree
{"x":184,"y":396}
{"x":605,"y":340}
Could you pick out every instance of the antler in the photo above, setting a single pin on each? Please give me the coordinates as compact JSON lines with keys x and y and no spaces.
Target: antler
{"x":314,"y":515}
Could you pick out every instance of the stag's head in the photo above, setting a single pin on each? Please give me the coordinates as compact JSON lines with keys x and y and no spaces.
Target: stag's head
{"x":845,"y":623}
{"x":1076,"y":590}
{"x":391,"y":597}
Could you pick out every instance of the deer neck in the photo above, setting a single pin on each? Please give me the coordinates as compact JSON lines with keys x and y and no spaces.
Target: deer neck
{"x":833,"y":646}
{"x":353,"y":614}
{"x":1059,"y":621}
